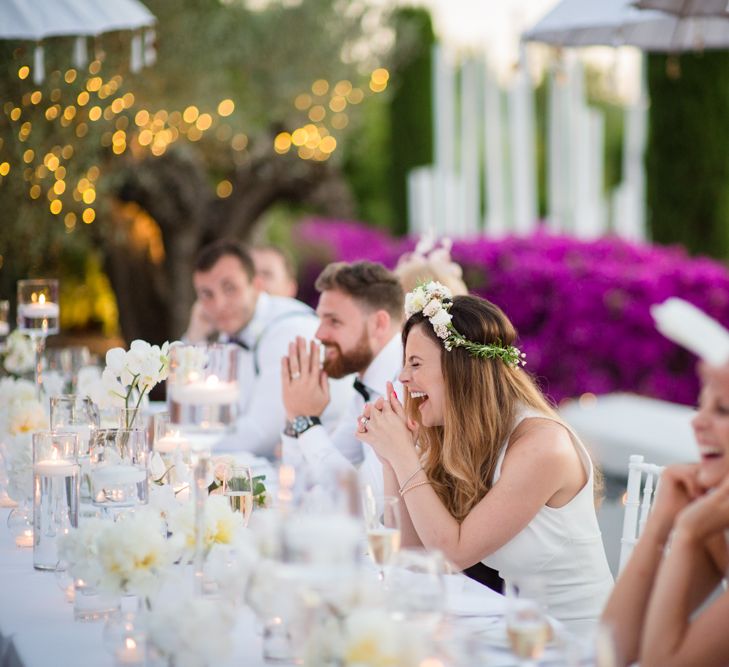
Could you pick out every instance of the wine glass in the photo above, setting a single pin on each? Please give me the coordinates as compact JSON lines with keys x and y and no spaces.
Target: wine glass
{"x":238,"y":489}
{"x":527,"y":625}
{"x":382,"y":521}
{"x":38,"y":317}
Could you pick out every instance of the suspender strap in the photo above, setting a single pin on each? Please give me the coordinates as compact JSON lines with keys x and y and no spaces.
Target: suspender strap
{"x":280,"y":318}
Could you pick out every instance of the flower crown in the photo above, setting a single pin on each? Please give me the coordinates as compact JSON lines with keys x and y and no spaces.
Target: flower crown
{"x":434,"y":300}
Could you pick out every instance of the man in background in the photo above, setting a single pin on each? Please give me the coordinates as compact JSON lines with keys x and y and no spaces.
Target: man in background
{"x":232,"y":307}
{"x":275,"y":270}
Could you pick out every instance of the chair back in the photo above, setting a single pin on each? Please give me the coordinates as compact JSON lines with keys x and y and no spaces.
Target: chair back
{"x":642,"y":484}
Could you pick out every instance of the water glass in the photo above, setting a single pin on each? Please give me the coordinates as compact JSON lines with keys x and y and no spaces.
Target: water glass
{"x":118,"y":461}
{"x":55,"y":493}
{"x":66,"y":362}
{"x":238,"y":489}
{"x":75,"y":414}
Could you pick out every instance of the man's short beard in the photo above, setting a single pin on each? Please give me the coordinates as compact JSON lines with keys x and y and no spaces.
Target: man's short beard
{"x":355,"y":361}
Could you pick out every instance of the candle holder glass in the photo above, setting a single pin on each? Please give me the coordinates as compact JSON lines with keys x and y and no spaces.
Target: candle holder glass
{"x":118,"y":470}
{"x":77,"y":414}
{"x":173,"y":450}
{"x":55,"y":493}
{"x":65,"y":363}
{"x":202,"y":399}
{"x":4,"y":322}
{"x":38,"y":317}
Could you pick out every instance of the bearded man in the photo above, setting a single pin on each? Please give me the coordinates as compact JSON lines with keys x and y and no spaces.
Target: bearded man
{"x":361,"y":309}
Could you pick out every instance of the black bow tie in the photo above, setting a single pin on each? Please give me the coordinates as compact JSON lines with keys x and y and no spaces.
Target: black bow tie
{"x":361,"y":389}
{"x":240,"y":343}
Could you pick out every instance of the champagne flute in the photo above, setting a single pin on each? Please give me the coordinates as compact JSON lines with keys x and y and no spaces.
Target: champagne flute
{"x":382,"y":520}
{"x":527,"y":626}
{"x":238,"y":489}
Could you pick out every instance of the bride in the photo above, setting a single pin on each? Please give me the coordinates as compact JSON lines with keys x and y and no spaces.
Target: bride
{"x":486,"y":470}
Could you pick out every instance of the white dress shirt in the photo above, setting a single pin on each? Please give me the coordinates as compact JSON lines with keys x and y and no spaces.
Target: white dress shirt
{"x":275,"y":323}
{"x":316,"y":449}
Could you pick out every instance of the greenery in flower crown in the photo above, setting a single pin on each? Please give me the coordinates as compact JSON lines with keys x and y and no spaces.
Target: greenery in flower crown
{"x":434,"y":300}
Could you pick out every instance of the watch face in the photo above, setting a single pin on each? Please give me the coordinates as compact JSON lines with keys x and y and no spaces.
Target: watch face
{"x":300,"y":424}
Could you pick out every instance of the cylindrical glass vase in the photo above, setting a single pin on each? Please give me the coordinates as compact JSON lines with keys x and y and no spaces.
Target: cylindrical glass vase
{"x":55,"y":493}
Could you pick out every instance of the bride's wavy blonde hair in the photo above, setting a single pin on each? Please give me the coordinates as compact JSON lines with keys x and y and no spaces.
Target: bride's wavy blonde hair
{"x":482,"y":397}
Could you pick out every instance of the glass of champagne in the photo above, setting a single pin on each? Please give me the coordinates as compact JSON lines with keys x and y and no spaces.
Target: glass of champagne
{"x":382,"y":520}
{"x":527,"y":625}
{"x":238,"y":489}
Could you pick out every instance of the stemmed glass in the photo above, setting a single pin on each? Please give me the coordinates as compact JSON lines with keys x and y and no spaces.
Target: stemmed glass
{"x":238,"y":489}
{"x":382,"y":521}
{"x":202,"y":399}
{"x":38,"y":317}
{"x":527,"y":626}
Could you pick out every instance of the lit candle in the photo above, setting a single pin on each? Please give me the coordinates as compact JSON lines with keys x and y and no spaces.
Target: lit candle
{"x":170,"y":443}
{"x":55,"y":468}
{"x":117,"y":475}
{"x":25,"y":539}
{"x":39,"y":309}
{"x":210,"y":392}
{"x":130,"y":654}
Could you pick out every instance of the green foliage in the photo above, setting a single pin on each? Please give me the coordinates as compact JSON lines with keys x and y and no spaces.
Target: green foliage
{"x":411,"y":112}
{"x":688,"y":151}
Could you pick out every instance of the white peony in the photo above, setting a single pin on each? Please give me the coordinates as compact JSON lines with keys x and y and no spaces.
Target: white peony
{"x":415,"y":301}
{"x":79,"y":549}
{"x":190,"y":631}
{"x":19,"y":353}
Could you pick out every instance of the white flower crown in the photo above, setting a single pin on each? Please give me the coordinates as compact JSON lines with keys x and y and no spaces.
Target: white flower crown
{"x":434,"y":300}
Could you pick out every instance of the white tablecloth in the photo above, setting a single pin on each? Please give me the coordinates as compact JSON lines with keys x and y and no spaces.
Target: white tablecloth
{"x":35,"y":615}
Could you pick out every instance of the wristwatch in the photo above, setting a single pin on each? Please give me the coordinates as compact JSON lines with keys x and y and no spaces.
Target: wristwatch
{"x":298,"y":425}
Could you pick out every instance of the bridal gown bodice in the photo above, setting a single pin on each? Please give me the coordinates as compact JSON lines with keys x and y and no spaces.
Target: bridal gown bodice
{"x":564,"y":545}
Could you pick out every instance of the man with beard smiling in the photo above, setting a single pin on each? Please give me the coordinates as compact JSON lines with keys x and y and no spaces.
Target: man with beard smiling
{"x":361,"y":308}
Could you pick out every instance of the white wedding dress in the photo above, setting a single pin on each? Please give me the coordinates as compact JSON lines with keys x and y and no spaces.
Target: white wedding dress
{"x":564,"y":546}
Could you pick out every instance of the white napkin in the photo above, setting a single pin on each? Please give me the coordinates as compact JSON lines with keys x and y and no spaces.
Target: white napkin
{"x":683,"y":323}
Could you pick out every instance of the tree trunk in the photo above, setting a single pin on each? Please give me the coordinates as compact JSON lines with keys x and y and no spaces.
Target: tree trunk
{"x":154,"y":289}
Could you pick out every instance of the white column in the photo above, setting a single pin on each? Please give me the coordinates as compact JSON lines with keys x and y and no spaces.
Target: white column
{"x":494,"y":158}
{"x":558,"y":156}
{"x":470,"y":205}
{"x":523,"y":150}
{"x":421,"y":204}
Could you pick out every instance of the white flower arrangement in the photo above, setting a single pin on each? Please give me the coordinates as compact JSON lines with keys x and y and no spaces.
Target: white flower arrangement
{"x":123,"y":557}
{"x":222,"y":525}
{"x":19,"y":357}
{"x":130,"y":375}
{"x":21,"y":414}
{"x":188,"y":630}
{"x":434,"y":301}
{"x":368,"y":637}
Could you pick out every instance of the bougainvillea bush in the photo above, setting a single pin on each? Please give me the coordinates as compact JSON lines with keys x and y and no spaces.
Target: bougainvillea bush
{"x":581,"y":307}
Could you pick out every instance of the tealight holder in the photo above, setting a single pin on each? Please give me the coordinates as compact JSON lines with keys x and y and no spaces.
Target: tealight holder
{"x":38,"y":316}
{"x":118,"y":469}
{"x":55,"y":493}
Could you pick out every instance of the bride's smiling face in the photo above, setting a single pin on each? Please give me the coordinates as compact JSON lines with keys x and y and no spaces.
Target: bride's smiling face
{"x":711,"y":427}
{"x":423,"y":377}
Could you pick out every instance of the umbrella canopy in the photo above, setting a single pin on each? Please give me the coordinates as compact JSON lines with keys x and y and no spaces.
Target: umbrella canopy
{"x":617,"y":23}
{"x":20,"y":19}
{"x":687,"y":7}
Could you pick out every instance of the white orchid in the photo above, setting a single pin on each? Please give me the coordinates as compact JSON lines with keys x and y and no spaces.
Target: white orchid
{"x":130,"y":375}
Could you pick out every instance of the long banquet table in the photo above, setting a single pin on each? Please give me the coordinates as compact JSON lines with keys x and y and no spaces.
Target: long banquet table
{"x":37,"y":628}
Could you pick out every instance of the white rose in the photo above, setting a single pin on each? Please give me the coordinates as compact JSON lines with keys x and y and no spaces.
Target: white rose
{"x":441,"y":318}
{"x":432,"y":307}
{"x":415,"y":301}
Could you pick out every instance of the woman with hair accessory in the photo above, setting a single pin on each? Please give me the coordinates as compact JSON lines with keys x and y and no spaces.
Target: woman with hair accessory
{"x":430,"y":261}
{"x":486,"y":470}
{"x":682,"y":555}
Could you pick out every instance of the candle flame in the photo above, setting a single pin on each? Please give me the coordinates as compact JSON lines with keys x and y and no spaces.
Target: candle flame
{"x":42,"y":299}
{"x":130,"y":643}
{"x":212,"y":380}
